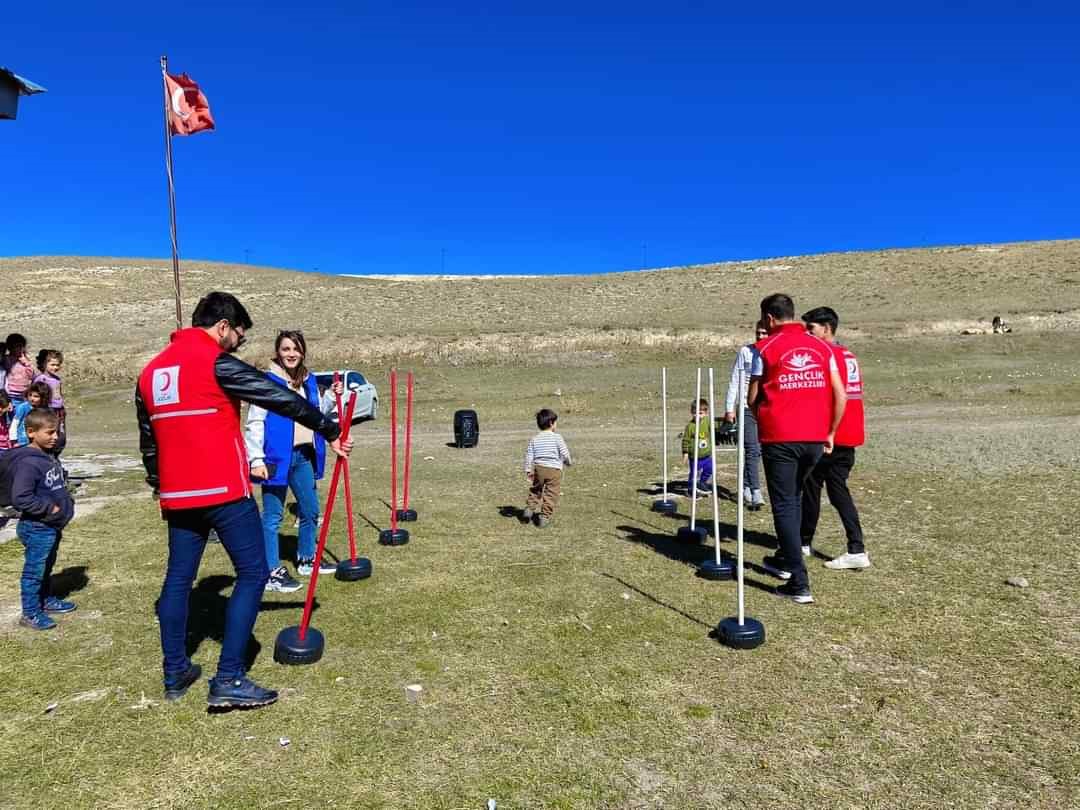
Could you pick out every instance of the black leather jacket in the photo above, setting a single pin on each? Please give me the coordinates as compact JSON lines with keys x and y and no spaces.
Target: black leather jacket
{"x":245,"y":382}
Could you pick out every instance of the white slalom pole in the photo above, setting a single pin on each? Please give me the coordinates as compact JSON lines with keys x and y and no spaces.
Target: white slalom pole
{"x":739,"y":492}
{"x":712,"y":443}
{"x":693,"y":468}
{"x":663,"y":408}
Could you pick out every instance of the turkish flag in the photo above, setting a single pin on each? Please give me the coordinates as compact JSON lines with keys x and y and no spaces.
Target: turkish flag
{"x":189,"y":111}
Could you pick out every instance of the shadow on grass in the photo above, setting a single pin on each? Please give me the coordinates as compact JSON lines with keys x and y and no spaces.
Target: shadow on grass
{"x":206,"y":614}
{"x":71,"y":579}
{"x":657,"y":601}
{"x":656,"y":488}
{"x":289,"y":544}
{"x":667,"y":545}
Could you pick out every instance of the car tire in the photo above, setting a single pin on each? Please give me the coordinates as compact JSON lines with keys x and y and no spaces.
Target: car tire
{"x":374,"y":409}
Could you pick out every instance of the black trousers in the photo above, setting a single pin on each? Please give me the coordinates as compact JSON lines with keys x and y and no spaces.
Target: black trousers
{"x":832,"y":472}
{"x":786,"y":467}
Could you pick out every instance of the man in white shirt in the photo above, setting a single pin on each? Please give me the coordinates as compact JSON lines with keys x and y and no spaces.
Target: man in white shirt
{"x":748,"y":361}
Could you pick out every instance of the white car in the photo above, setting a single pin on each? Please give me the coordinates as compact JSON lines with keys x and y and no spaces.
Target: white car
{"x":367,"y":398}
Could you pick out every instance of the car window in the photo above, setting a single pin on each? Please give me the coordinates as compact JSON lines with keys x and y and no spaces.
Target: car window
{"x":324,"y":380}
{"x":354,"y":379}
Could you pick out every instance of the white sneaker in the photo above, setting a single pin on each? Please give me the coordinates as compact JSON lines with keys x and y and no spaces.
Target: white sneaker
{"x":846,"y":561}
{"x":758,"y":498}
{"x":747,"y":496}
{"x":807,"y":552}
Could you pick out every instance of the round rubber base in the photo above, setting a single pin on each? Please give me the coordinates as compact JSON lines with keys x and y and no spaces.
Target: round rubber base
{"x":406,"y":515}
{"x":711,"y":569}
{"x":667,"y":507}
{"x":291,"y":650}
{"x":698,"y":534}
{"x":394,"y":537}
{"x":745,"y":636}
{"x":349,"y":570}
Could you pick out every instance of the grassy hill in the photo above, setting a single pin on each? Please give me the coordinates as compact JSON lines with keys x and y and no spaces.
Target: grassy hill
{"x":111,"y":314}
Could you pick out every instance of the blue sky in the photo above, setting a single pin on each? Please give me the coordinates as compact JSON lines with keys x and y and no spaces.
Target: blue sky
{"x":535,"y":138}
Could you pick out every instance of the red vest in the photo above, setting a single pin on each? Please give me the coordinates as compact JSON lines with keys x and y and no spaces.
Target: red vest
{"x":851,"y":432}
{"x":796,"y":398}
{"x":201,"y":456}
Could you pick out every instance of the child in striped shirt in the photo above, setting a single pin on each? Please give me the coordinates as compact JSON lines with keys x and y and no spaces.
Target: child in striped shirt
{"x":544,"y":460}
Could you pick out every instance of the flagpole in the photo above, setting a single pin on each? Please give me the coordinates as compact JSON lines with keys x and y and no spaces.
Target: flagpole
{"x":172,"y":191}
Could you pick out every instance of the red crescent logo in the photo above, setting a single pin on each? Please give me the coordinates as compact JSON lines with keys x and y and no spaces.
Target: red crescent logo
{"x":167,"y":380}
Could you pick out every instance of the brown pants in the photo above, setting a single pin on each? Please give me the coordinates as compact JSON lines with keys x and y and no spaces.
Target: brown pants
{"x":544,"y":491}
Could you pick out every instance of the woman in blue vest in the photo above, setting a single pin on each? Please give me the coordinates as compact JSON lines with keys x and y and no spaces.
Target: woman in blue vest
{"x":284,"y":455}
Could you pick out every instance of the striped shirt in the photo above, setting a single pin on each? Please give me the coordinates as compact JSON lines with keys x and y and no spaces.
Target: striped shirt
{"x":547,"y":449}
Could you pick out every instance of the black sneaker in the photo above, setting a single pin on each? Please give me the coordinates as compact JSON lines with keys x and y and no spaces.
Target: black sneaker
{"x":800,"y":596}
{"x":239,"y":693}
{"x":177,"y":689}
{"x":281,"y":582}
{"x":776,"y":566}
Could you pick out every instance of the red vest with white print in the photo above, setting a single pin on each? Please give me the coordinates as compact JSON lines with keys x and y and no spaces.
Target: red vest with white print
{"x":851,"y":432}
{"x":796,"y":392}
{"x":201,"y":456}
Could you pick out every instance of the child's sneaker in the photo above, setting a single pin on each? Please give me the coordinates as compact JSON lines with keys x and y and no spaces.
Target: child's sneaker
{"x":54,"y":605}
{"x":757,"y":500}
{"x":527,"y":514}
{"x":39,"y":621}
{"x":543,"y":522}
{"x":747,"y":497}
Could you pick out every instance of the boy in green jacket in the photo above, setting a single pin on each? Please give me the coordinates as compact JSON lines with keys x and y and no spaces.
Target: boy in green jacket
{"x":704,"y":439}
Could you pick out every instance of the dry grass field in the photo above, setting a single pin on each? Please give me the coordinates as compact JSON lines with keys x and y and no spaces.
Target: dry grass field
{"x":572,"y":667}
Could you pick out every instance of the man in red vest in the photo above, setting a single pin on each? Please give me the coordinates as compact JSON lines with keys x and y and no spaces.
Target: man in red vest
{"x":188,"y":406}
{"x":798,"y":400}
{"x":832,"y":470}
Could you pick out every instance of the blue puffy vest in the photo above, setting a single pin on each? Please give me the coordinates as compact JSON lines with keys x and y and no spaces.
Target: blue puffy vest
{"x":278,"y":437}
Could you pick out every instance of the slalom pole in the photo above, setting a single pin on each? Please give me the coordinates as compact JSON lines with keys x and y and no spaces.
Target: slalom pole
{"x":354,"y":568}
{"x":740,"y":631}
{"x":692,"y":532}
{"x":405,"y":513}
{"x":717,"y":568}
{"x":665,"y":505}
{"x":393,"y":536}
{"x":345,"y":423}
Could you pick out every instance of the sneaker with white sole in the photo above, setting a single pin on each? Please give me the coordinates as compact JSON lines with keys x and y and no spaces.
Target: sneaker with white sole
{"x":281,"y":582}
{"x":849,"y":561}
{"x":800,"y":596}
{"x":776,"y":566}
{"x":303,"y":567}
{"x":757,"y":499}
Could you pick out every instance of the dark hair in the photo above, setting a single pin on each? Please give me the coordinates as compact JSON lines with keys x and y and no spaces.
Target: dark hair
{"x":41,"y":389}
{"x":15,"y":339}
{"x":823,"y":315}
{"x":4,"y":400}
{"x":39,"y":418}
{"x":778,"y":305}
{"x":297,"y":337}
{"x":45,"y":355}
{"x":701,"y":403}
{"x":545,"y":418}
{"x":220,"y":306}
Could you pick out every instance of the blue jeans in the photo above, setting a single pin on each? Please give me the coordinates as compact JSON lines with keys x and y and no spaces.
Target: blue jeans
{"x":237,"y":524}
{"x":704,"y":473}
{"x":302,"y":483}
{"x":40,"y":543}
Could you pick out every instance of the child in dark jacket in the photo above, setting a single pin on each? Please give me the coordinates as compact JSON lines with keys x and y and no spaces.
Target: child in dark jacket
{"x":39,"y":493}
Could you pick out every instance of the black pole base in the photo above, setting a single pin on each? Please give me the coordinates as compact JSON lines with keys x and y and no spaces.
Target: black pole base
{"x":745,"y":636}
{"x":291,"y":650}
{"x":698,"y":534}
{"x":349,"y":570}
{"x":711,"y":569}
{"x":394,"y":537}
{"x":668,"y":507}
{"x":407,"y":515}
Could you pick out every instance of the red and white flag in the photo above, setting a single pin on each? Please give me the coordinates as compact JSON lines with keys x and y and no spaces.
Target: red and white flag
{"x":189,"y":111}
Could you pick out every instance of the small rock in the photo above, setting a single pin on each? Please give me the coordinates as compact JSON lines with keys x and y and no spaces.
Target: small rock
{"x":429,"y":458}
{"x":557,"y":392}
{"x":413,"y":692}
{"x":249,"y":737}
{"x":284,"y":742}
{"x":1018,"y":582}
{"x":52,"y":707}
{"x":339,"y":679}
{"x":625,"y":595}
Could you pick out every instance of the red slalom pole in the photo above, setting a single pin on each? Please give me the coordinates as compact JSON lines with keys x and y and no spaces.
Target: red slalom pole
{"x":340,"y":466}
{"x":393,"y":450}
{"x":345,"y":420}
{"x":408,"y":438}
